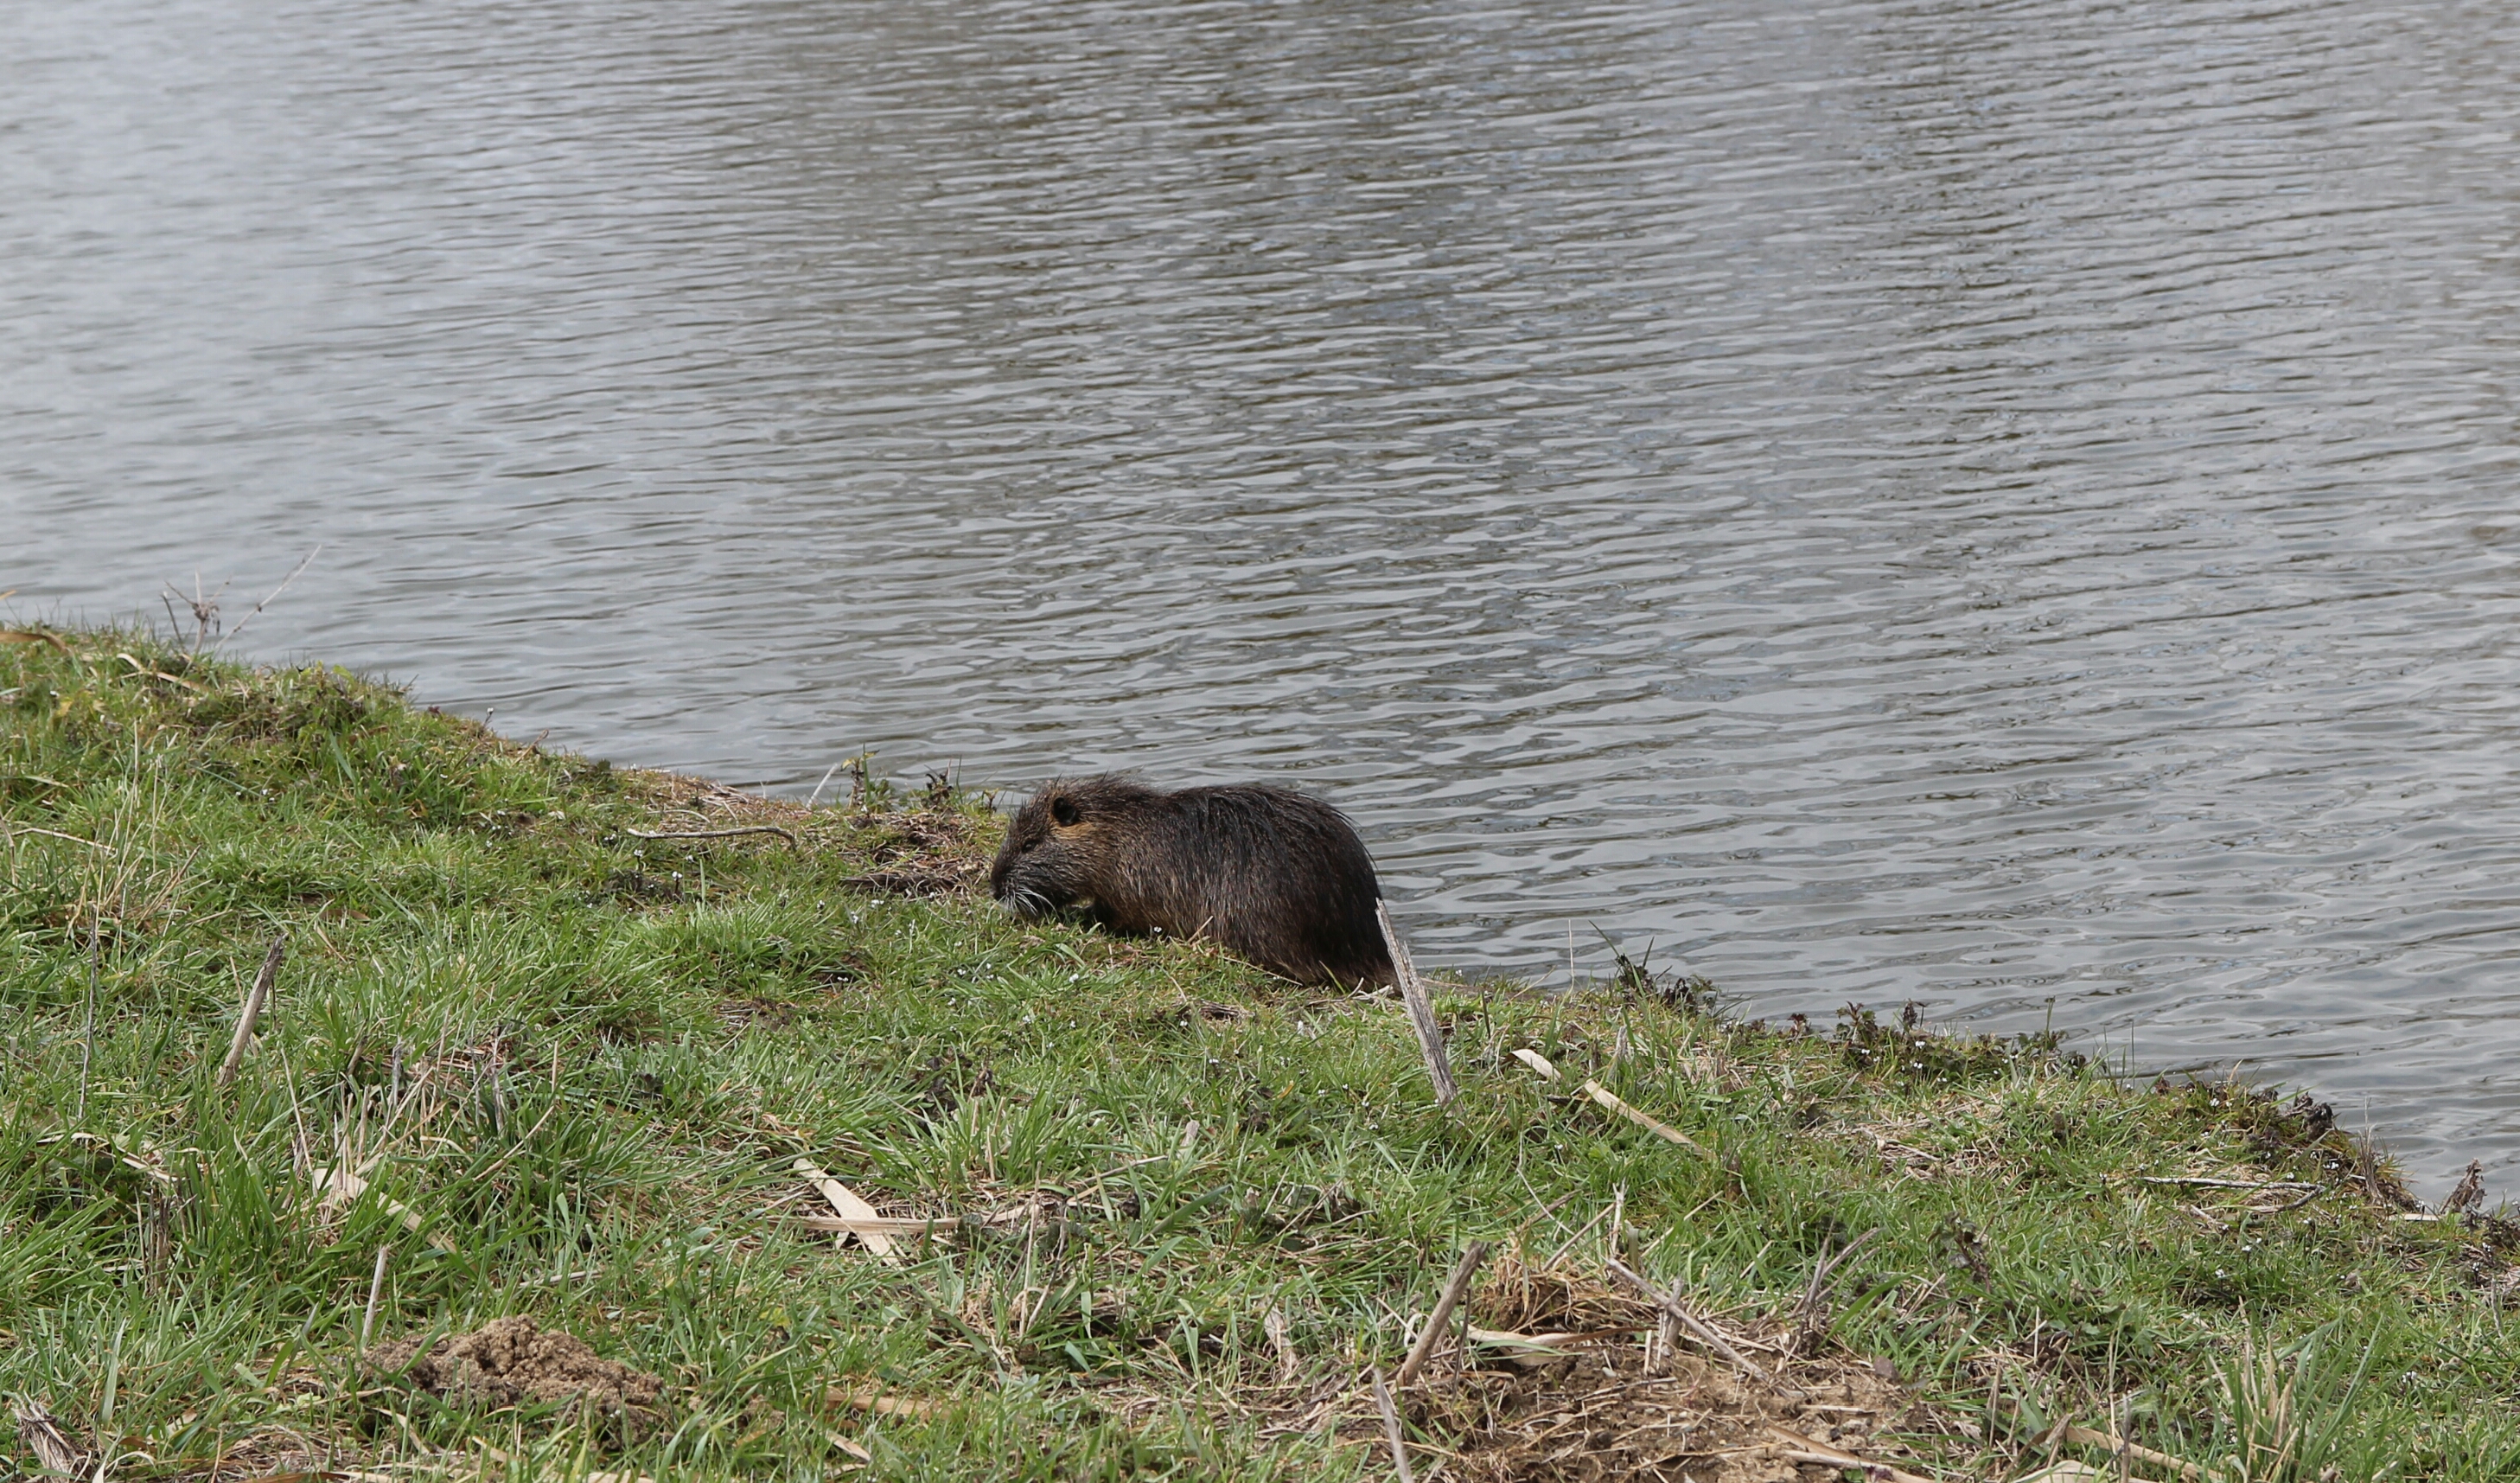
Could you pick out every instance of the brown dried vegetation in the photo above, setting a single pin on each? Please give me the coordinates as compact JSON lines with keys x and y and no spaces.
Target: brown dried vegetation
{"x":510,"y":1362}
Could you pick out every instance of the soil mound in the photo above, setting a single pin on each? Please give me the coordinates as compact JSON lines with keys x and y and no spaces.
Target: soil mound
{"x":510,"y":1362}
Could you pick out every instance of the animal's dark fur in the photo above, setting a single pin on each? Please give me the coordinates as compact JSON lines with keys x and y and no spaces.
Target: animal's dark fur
{"x":1273,"y":876}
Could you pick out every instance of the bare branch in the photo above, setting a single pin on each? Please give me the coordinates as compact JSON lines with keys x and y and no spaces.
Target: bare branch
{"x":275,"y":592}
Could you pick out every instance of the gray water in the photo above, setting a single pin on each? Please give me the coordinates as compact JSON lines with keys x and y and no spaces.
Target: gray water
{"x":1984,"y":503}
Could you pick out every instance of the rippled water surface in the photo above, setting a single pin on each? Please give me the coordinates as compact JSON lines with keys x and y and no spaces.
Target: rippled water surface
{"x":1975,"y":503}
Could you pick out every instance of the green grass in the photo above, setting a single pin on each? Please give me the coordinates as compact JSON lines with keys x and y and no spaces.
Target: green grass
{"x":585,"y":1063}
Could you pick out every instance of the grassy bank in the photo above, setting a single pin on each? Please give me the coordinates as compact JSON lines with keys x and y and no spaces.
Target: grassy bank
{"x":521,"y":1060}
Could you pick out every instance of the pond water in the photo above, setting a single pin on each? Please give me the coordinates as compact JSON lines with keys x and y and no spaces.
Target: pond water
{"x":2009,"y":505}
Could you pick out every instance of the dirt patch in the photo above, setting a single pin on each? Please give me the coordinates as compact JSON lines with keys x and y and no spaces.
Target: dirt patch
{"x":919,"y":853}
{"x":921,"y":878}
{"x":1569,"y":1378}
{"x":1630,"y":1397}
{"x":1608,"y":1413}
{"x":510,"y":1362}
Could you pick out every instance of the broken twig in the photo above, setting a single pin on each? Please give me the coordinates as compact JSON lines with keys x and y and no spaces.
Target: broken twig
{"x":1391,"y":1429}
{"x":1422,"y":1013}
{"x":1669,"y":1302}
{"x":1445,"y":1302}
{"x":718,"y":834}
{"x":254,"y":1000}
{"x":275,"y":592}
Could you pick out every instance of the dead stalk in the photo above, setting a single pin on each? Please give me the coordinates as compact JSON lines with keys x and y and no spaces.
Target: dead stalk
{"x":856,"y":1217}
{"x":1455,"y":1286}
{"x":1804,"y":1448}
{"x":1808,"y":1325}
{"x":1421,"y":1012}
{"x":719,"y":834}
{"x":252,"y":1016}
{"x":43,"y":1436}
{"x":9,"y":832}
{"x":2250,"y":1184}
{"x":1662,"y":1130}
{"x":1391,"y":1429}
{"x":2084,"y":1437}
{"x":87,"y":1030}
{"x":266,"y":601}
{"x":1670,"y":1303}
{"x":376,"y":1291}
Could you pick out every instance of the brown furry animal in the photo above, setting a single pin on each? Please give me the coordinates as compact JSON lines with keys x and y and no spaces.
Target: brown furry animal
{"x":1271,"y":875}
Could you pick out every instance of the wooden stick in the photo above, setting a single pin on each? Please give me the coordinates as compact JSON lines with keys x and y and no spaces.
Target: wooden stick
{"x":275,"y":592}
{"x":252,"y":1016}
{"x":1422,"y":1012}
{"x":1453,"y":1286}
{"x":1670,"y":1303}
{"x":1391,"y":1429}
{"x":717,"y":834}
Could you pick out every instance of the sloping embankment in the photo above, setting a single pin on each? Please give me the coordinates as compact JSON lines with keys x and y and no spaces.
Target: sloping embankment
{"x":659,"y":1067}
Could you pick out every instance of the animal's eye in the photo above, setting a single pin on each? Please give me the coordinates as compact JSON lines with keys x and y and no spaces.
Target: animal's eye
{"x":1064,"y":810}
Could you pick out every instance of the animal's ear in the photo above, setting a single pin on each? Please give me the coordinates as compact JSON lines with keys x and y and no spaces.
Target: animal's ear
{"x":1063,"y":809}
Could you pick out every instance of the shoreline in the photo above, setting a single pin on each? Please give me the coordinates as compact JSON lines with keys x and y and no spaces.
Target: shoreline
{"x":593,"y":1047}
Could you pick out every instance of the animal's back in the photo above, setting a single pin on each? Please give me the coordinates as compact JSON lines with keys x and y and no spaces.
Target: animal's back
{"x":1274,"y":876}
{"x":1286,"y":877}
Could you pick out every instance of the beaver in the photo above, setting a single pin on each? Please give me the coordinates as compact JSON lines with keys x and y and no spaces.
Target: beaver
{"x":1269,"y":873}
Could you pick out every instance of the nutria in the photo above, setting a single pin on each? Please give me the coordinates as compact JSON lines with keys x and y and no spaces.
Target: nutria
{"x":1269,"y":873}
